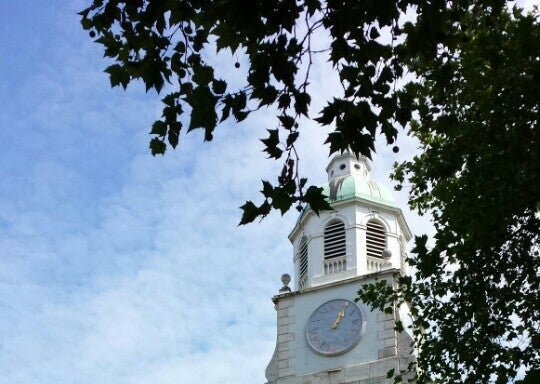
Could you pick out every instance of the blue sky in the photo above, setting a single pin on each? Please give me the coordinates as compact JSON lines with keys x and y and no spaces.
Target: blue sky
{"x":117,"y":267}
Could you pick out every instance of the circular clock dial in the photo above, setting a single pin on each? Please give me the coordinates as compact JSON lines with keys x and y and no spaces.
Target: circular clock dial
{"x":335,"y":327}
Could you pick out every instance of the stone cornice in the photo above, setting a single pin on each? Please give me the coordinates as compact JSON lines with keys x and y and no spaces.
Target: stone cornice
{"x":394,"y":272}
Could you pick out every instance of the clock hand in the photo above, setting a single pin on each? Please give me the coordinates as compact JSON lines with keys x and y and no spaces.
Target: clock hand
{"x":336,"y":322}
{"x":340,"y":315}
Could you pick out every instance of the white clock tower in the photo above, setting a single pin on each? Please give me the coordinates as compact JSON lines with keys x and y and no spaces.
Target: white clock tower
{"x":323,"y":336}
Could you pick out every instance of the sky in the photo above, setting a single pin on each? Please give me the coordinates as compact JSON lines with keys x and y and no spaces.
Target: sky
{"x":118,"y":267}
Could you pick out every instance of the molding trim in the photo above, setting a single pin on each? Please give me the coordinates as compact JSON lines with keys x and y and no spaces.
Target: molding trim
{"x":390,"y":272}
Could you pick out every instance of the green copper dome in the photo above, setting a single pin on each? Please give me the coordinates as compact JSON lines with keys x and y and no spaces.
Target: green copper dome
{"x":350,"y":181}
{"x":351,"y":186}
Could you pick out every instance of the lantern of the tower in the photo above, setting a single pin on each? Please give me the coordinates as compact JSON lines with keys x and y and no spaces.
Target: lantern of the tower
{"x":364,"y":233}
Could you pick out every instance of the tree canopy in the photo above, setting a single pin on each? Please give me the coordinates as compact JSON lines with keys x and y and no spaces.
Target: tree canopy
{"x":463,"y":77}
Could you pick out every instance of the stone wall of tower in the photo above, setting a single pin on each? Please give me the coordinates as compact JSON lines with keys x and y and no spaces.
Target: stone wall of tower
{"x":380,"y":349}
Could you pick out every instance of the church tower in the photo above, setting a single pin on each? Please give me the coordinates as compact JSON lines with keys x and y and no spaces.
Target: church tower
{"x":323,"y":336}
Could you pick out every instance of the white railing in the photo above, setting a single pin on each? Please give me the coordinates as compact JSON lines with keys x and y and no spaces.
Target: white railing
{"x":335,"y":265}
{"x":375,"y":264}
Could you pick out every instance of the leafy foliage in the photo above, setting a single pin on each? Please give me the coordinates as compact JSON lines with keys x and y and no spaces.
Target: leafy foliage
{"x":474,"y":97}
{"x":476,"y":290}
{"x":162,"y":42}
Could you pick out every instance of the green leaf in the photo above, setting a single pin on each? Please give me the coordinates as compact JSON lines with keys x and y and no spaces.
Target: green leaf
{"x":180,"y":47}
{"x":118,"y":75}
{"x":250,"y":212}
{"x":312,"y":6}
{"x":219,"y":86}
{"x":203,"y":75}
{"x":374,"y":33}
{"x":316,"y":199}
{"x":86,"y":23}
{"x":281,"y":200}
{"x":286,"y":121}
{"x":177,"y":64}
{"x":159,"y":128}
{"x":291,"y":138}
{"x":240,"y":115}
{"x":157,"y":147}
{"x":200,"y":39}
{"x":271,"y":144}
{"x":174,"y":134}
{"x":225,"y":112}
{"x":267,"y":95}
{"x":203,"y":110}
{"x":332,"y":111}
{"x":284,"y":101}
{"x":301,"y":103}
{"x":268,"y":189}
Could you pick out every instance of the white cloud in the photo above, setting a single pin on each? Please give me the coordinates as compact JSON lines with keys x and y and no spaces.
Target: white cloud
{"x":528,"y":5}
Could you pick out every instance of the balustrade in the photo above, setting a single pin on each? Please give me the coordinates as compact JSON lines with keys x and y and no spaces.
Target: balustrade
{"x":335,"y":265}
{"x":375,"y":264}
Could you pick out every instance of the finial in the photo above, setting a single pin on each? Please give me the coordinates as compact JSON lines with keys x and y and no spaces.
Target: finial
{"x":285,"y":279}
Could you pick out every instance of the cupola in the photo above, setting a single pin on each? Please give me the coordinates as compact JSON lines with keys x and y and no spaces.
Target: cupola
{"x":348,"y":164}
{"x":364,"y":233}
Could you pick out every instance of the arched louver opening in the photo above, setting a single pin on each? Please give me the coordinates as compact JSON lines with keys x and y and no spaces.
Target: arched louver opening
{"x":375,"y":239}
{"x":303,"y":260}
{"x":334,"y":240}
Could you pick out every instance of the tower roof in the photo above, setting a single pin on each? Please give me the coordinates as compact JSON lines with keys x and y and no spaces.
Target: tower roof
{"x":351,"y":186}
{"x":348,"y":177}
{"x":349,"y":180}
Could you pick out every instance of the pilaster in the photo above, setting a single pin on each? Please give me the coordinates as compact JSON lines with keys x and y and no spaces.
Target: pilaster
{"x":286,"y":336}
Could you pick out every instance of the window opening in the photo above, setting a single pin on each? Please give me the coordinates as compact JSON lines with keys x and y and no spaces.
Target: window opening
{"x":334,"y":240}
{"x":375,"y":239}
{"x":303,"y":252}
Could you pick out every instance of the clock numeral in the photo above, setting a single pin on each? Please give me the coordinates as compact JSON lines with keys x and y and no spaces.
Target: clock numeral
{"x":324,"y":346}
{"x":323,"y":310}
{"x":313,"y":331}
{"x":356,"y":321}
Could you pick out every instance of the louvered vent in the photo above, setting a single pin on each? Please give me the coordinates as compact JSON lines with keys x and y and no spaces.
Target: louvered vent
{"x":302,"y":279}
{"x":375,"y":239}
{"x":334,"y":240}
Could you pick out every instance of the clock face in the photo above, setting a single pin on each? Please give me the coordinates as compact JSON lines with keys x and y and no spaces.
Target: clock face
{"x":335,"y":327}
